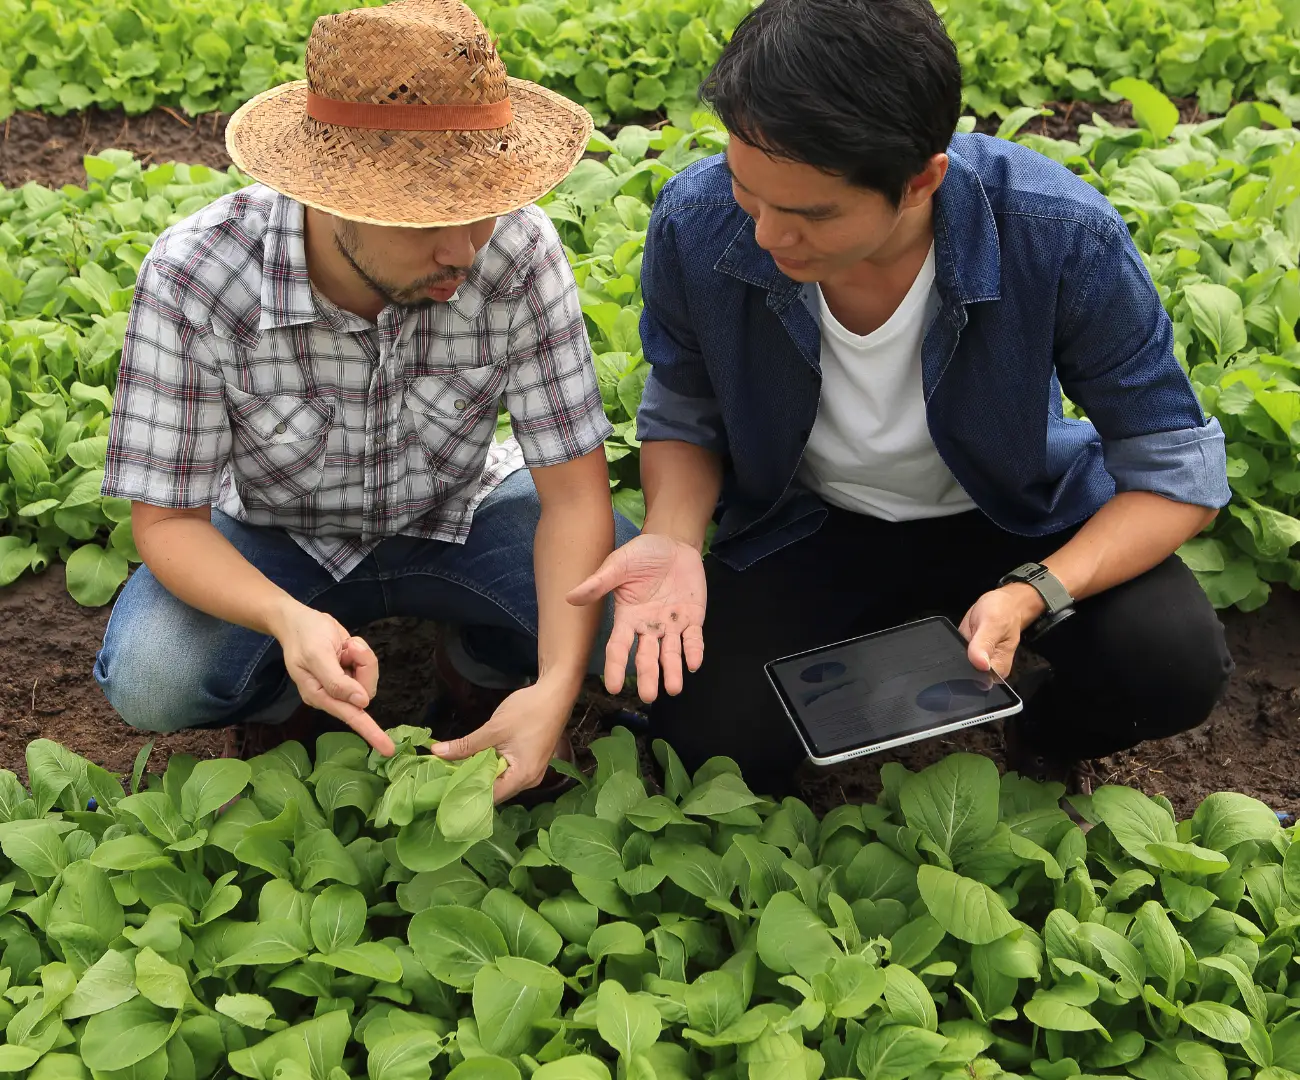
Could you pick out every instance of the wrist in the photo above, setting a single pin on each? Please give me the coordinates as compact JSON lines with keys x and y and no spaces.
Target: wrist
{"x":562,"y":684}
{"x":279,"y":613}
{"x":1029,"y":604}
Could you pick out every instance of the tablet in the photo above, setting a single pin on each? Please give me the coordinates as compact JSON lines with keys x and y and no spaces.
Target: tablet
{"x":886,"y":689}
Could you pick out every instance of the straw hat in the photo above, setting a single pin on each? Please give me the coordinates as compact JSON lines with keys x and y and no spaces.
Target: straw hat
{"x":407,"y":117}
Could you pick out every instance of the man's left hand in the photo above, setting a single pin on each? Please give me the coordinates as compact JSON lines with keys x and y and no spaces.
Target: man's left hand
{"x":525,"y":730}
{"x":994,"y":624}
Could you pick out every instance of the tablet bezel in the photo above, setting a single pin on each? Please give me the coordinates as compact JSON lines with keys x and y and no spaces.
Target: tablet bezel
{"x":941,"y":727}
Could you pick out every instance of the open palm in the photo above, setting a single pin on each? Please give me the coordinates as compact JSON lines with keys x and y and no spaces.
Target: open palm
{"x":659,"y":599}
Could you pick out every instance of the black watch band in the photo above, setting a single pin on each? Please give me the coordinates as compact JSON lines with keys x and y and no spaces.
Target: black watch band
{"x":1059,"y":602}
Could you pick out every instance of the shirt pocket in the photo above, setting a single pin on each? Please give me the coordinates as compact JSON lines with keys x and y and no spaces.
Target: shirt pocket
{"x":454,"y":414}
{"x":280,"y":442}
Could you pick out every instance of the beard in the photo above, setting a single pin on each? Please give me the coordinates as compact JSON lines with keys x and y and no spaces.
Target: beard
{"x":407,"y":295}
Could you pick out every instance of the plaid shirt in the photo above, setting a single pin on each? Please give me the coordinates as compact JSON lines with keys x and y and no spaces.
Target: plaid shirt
{"x":243,"y":387}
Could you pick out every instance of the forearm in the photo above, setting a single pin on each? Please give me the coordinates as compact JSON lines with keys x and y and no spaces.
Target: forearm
{"x":200,"y":567}
{"x":681,"y":482}
{"x":573,"y":539}
{"x":1130,"y":535}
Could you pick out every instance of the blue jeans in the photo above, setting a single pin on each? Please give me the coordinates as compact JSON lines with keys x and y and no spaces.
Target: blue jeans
{"x":165,"y":666}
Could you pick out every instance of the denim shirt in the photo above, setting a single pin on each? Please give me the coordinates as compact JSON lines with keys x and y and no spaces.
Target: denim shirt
{"x":1039,"y":289}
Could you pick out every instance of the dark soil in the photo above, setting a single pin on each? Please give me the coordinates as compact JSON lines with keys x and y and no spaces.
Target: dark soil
{"x":47,"y":690}
{"x":1068,"y":116}
{"x":49,"y":149}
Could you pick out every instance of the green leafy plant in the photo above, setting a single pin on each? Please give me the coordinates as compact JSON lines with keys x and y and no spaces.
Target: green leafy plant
{"x":625,"y":59}
{"x":349,"y":915}
{"x":1212,"y":208}
{"x":68,"y":261}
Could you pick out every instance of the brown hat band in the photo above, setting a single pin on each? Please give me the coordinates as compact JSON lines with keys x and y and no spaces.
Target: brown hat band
{"x":364,"y":114}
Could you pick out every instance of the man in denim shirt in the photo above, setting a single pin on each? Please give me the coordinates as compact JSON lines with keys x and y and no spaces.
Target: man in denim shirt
{"x":861,"y":325}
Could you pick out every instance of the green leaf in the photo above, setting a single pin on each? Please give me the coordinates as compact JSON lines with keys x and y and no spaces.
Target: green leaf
{"x":161,"y":982}
{"x":124,"y":1035}
{"x":370,"y":960}
{"x":316,"y":1047}
{"x":693,"y":867}
{"x":157,"y":813}
{"x":509,"y":998}
{"x":1188,"y":858}
{"x":1161,"y":946}
{"x":36,"y":848}
{"x":615,"y":939}
{"x":1054,"y":1012}
{"x":791,"y":938}
{"x":968,"y":910}
{"x":714,"y":1002}
{"x":908,"y":999}
{"x":1216,"y":1021}
{"x":587,"y":846}
{"x":1217,"y":313}
{"x":95,"y":574}
{"x":338,"y":918}
{"x":1226,"y":819}
{"x":211,"y":785}
{"x":627,"y":1022}
{"x":109,"y":982}
{"x":723,"y":794}
{"x":898,"y":1051}
{"x":403,"y":1056}
{"x":453,"y":943}
{"x":1135,"y":820}
{"x":465,"y":812}
{"x":574,"y":1067}
{"x":954,"y":803}
{"x":250,"y":1010}
{"x":1151,"y":109}
{"x":273,"y":941}
{"x":129,"y":853}
{"x":527,"y":933}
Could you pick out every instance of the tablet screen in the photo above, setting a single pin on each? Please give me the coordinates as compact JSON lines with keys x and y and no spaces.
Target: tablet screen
{"x":894,"y":683}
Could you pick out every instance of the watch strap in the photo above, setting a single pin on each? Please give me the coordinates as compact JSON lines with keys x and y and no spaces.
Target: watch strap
{"x":1045,"y":583}
{"x":1056,"y":597}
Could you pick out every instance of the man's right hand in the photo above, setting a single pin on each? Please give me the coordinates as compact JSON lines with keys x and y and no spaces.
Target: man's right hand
{"x":659,"y":599}
{"x":334,"y":671}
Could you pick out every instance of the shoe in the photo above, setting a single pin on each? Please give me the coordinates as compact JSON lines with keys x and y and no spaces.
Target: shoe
{"x":459,"y":705}
{"x":1046,"y":767}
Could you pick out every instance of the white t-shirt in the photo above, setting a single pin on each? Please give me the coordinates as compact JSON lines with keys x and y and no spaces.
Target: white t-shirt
{"x":870,"y":449}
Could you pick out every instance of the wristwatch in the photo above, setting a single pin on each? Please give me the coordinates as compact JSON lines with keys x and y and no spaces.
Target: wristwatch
{"x":1060,"y":604}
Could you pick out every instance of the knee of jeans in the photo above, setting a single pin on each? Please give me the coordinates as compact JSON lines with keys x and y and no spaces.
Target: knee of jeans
{"x":1187,"y":681}
{"x":159,"y":678}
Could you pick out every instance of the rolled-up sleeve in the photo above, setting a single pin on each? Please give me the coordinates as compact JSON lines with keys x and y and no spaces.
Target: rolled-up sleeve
{"x":679,"y":402}
{"x":169,"y":436}
{"x":552,"y":394}
{"x":1115,"y":360}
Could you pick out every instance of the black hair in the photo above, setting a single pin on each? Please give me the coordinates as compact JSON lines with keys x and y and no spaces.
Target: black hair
{"x":866,"y":89}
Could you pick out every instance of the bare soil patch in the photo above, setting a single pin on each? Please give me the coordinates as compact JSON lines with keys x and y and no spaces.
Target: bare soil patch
{"x":47,"y":690}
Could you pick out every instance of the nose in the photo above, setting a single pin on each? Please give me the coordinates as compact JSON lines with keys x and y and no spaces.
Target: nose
{"x":772,"y":231}
{"x":455,"y":246}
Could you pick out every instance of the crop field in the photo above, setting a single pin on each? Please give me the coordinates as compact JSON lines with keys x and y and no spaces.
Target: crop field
{"x":320,"y":913}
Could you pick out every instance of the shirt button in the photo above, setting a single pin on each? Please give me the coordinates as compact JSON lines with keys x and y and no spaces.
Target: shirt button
{"x":460,"y":404}
{"x":280,"y":429}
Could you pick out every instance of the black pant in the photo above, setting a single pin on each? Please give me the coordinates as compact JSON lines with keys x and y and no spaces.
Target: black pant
{"x":1144,"y":660}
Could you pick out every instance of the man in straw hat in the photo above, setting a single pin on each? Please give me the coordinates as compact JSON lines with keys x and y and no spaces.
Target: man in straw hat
{"x":306,"y":411}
